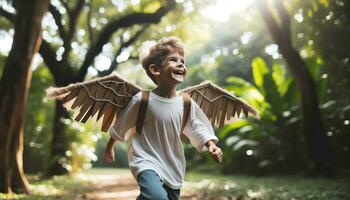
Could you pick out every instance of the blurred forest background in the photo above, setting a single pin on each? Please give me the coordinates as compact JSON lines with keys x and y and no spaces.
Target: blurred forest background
{"x":288,"y":58}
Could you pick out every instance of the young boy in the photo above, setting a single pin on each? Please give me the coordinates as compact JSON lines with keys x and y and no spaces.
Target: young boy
{"x":156,"y":157}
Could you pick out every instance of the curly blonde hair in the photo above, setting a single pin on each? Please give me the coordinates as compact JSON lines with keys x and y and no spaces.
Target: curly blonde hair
{"x":152,"y":52}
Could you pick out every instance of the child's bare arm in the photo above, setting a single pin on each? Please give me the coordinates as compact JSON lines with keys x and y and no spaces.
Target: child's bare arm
{"x":214,"y":151}
{"x":108,"y":155}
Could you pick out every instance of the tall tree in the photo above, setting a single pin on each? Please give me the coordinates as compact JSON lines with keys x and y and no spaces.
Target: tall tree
{"x":315,"y":135}
{"x":14,"y":87}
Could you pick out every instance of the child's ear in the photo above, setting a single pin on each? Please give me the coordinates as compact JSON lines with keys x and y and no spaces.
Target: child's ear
{"x":154,"y":69}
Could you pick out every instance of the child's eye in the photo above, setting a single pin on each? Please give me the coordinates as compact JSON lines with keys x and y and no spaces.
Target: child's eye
{"x":173,"y":59}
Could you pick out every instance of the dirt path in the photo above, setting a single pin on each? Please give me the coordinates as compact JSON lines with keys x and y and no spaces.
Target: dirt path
{"x":111,"y":186}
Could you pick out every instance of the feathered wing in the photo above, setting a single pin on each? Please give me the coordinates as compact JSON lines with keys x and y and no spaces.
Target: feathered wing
{"x":101,"y":97}
{"x":219,"y":105}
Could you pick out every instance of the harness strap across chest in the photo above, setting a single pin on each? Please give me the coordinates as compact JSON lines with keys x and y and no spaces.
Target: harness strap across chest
{"x":144,"y":104}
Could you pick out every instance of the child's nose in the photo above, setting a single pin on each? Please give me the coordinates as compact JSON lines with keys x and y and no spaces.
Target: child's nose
{"x":180,"y":64}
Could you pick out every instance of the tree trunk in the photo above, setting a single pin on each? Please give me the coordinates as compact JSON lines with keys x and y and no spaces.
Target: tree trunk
{"x":315,"y":135}
{"x":14,"y":87}
{"x":59,"y":141}
{"x":19,"y":180}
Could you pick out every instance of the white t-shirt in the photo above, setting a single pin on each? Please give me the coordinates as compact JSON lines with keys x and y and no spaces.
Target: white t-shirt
{"x":159,"y":147}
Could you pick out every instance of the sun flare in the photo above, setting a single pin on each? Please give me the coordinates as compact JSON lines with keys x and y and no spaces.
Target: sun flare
{"x":222,"y":10}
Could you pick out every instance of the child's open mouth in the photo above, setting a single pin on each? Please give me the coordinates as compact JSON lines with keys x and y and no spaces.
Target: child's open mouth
{"x":179,"y":72}
{"x":178,"y":75}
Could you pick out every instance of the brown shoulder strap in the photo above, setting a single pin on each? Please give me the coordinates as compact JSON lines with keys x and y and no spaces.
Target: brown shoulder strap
{"x":142,"y":111}
{"x":187,"y":107}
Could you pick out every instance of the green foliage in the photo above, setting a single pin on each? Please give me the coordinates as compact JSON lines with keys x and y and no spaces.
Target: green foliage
{"x":259,"y":71}
{"x":228,"y":48}
{"x":38,"y":126}
{"x":120,"y":151}
{"x":59,"y":187}
{"x":275,"y":143}
{"x":38,"y":131}
{"x":2,"y":64}
{"x":80,"y":151}
{"x":265,"y":146}
{"x":322,"y":34}
{"x":280,"y":79}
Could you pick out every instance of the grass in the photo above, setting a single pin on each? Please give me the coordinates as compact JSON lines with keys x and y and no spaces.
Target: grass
{"x":202,"y":186}
{"x":271,"y":188}
{"x":58,"y":187}
{"x":66,"y":187}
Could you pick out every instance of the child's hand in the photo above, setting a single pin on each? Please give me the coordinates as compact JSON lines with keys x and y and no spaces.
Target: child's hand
{"x":108,"y":156}
{"x":215,"y":152}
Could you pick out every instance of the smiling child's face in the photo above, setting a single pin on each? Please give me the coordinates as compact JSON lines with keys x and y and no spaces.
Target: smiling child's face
{"x":173,"y":69}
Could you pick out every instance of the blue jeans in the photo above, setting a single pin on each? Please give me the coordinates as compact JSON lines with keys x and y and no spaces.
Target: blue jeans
{"x":153,"y":188}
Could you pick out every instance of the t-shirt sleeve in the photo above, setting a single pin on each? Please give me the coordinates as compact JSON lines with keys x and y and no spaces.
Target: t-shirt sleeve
{"x":126,"y":119}
{"x":198,"y":128}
